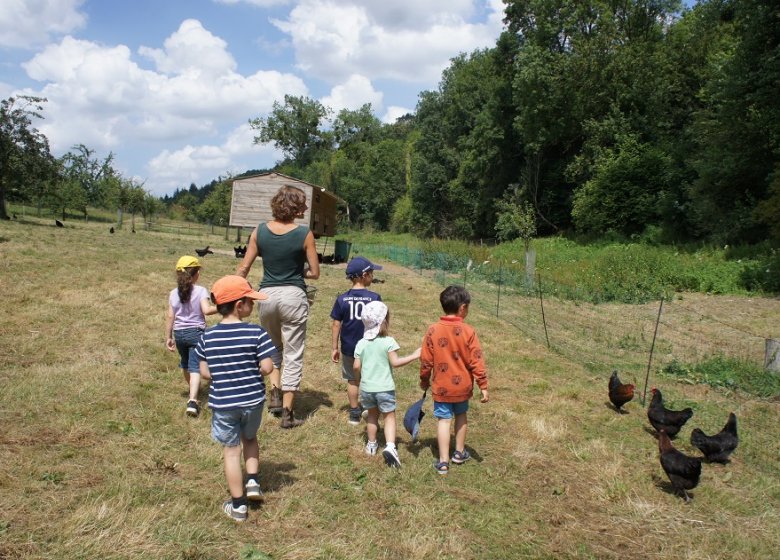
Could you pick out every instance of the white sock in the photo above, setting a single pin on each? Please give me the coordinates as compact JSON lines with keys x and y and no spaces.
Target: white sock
{"x":390,"y":445}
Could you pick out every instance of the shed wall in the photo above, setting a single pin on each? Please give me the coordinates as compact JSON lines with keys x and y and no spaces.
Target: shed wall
{"x":251,"y":203}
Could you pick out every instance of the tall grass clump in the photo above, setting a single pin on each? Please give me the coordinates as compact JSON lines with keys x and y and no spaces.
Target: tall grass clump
{"x":728,"y":373}
{"x":606,"y":271}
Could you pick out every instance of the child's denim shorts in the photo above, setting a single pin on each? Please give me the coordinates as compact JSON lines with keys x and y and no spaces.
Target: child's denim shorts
{"x":384,"y":400}
{"x":186,"y":341}
{"x":446,"y":410}
{"x":227,"y":426}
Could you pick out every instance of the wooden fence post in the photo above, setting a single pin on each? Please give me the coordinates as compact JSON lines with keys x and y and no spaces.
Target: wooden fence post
{"x":772,"y":355}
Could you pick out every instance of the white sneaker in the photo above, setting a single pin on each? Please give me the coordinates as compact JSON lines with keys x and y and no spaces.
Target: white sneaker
{"x":236,"y":514}
{"x":371,"y":448}
{"x":253,"y":491}
{"x":391,"y":457}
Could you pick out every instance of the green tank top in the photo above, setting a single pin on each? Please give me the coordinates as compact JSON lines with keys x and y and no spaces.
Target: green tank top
{"x":283,"y":256}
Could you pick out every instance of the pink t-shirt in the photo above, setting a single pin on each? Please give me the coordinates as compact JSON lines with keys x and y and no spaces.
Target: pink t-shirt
{"x":188,"y":315}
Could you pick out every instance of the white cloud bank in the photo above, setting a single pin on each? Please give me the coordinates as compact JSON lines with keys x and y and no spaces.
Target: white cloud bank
{"x":179,"y":111}
{"x":29,"y":23}
{"x":408,"y":40}
{"x":100,"y":96}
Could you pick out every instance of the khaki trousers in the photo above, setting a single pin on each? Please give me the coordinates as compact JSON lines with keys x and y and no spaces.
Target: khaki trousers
{"x":284,"y":316}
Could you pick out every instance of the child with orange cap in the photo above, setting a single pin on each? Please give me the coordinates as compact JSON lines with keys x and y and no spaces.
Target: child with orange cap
{"x":236,"y":356}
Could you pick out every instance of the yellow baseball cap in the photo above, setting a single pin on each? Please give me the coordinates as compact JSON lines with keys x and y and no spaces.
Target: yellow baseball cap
{"x":186,"y":262}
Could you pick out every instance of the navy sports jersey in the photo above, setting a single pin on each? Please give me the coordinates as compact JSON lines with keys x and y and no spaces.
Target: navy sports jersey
{"x":348,"y":308}
{"x":233,"y":352}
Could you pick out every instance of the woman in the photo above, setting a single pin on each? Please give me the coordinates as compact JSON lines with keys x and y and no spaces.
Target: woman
{"x":285,"y":248}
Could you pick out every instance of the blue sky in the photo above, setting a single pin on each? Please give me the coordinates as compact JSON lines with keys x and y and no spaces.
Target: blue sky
{"x":168,"y":86}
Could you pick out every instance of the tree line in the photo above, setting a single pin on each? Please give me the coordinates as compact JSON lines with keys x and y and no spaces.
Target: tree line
{"x":630,"y":117}
{"x":595,"y":117}
{"x":75,"y":182}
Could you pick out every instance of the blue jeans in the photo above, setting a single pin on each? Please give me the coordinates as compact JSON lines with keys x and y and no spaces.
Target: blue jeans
{"x":186,"y":341}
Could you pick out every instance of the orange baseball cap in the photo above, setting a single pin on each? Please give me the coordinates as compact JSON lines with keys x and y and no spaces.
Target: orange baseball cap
{"x":232,"y":288}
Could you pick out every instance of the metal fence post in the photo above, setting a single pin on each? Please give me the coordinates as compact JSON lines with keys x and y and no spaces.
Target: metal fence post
{"x":541,"y":303}
{"x":498,"y":295}
{"x":652,"y":348}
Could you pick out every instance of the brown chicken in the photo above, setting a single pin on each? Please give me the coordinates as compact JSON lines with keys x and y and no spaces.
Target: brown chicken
{"x":683,"y":471}
{"x":619,"y":393}
{"x":664,"y":419}
{"x":717,"y":448}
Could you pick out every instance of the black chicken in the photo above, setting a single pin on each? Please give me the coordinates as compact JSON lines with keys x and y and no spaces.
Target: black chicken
{"x":59,"y":223}
{"x":204,"y":252}
{"x":240,"y":251}
{"x":717,"y":448}
{"x":619,"y":393}
{"x":664,"y":419}
{"x":111,"y":230}
{"x":683,"y":471}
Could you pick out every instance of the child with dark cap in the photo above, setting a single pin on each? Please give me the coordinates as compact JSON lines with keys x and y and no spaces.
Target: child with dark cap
{"x":450,"y":362}
{"x":236,"y":355}
{"x":347,"y":326}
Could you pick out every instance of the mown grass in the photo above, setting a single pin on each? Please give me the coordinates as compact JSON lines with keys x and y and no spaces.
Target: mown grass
{"x":100,"y":461}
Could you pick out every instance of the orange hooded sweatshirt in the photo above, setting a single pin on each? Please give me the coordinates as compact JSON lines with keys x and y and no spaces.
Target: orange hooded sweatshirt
{"x":451,"y":360}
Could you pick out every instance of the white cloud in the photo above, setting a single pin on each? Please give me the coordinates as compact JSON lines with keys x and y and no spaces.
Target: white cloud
{"x":101,"y":97}
{"x":353,"y":94}
{"x":394,"y":112}
{"x":258,"y":3}
{"x":28,"y":23}
{"x":403,"y":40}
{"x":171,"y":169}
{"x":192,"y":49}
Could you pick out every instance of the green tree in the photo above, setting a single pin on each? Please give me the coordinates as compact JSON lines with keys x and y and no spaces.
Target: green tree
{"x":295,"y":128}
{"x":136,"y":201}
{"x":82,"y":165}
{"x":24,"y":151}
{"x":356,"y":126}
{"x":579,"y":63}
{"x":737,"y":132}
{"x":467,"y":151}
{"x":624,"y":195}
{"x":515,"y":220}
{"x":215,"y":209}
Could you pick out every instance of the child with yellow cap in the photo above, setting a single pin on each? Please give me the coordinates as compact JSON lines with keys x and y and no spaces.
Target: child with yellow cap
{"x":188,"y":305}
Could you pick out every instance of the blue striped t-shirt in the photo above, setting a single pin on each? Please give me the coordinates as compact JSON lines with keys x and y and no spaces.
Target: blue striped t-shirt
{"x":233,"y":352}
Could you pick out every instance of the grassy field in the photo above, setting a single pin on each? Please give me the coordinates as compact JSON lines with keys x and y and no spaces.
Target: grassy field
{"x":99,"y":460}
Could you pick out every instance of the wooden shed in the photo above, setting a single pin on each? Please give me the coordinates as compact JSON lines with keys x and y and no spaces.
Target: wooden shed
{"x":251,"y":203}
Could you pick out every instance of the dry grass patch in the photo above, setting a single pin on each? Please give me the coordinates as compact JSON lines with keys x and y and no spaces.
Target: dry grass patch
{"x":99,"y":460}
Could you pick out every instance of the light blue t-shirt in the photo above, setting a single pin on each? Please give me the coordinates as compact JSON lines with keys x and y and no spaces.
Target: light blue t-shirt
{"x":376,"y":373}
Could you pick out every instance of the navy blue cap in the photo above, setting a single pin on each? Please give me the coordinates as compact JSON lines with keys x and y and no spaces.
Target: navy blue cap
{"x":413,"y":417}
{"x":358,"y":265}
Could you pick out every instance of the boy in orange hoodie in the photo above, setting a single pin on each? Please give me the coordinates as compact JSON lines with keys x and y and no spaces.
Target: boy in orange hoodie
{"x":450,"y":361}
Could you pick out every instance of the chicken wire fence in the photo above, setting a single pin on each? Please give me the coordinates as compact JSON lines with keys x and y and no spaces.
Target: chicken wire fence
{"x":601,"y":336}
